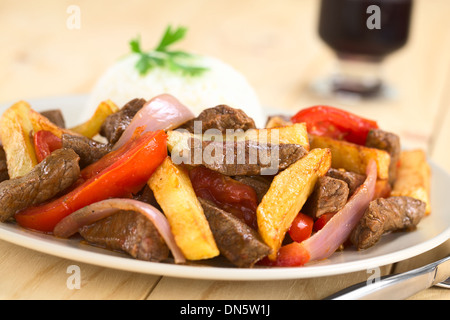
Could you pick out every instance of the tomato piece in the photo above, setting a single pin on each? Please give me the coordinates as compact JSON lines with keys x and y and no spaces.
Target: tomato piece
{"x":290,"y":255}
{"x":322,"y":221}
{"x":137,"y":160}
{"x":45,"y":142}
{"x":228,"y":194}
{"x":335,"y":123}
{"x":301,"y":227}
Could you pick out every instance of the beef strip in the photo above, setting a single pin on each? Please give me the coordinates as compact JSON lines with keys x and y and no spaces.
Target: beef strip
{"x":260,"y":184}
{"x":146,"y":195}
{"x":130,"y":232}
{"x":329,"y":196}
{"x":221,"y":117}
{"x":243,"y":158}
{"x":116,"y":123}
{"x":236,"y":241}
{"x":3,"y":165}
{"x":55,"y":116}
{"x":353,"y":180}
{"x":47,"y":179}
{"x":89,"y":150}
{"x":389,"y":142}
{"x":385,"y":215}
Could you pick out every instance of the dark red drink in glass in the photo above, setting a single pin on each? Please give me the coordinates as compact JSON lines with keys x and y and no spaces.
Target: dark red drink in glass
{"x":347,"y":26}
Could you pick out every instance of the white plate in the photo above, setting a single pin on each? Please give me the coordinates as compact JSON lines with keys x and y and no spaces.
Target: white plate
{"x":432,"y":231}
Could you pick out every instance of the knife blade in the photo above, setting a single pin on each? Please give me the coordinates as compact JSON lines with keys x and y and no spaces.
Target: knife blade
{"x":398,"y":286}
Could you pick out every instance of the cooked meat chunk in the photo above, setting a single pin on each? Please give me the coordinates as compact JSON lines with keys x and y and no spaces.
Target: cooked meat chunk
{"x":116,"y":123}
{"x":236,"y":241}
{"x":329,"y":196}
{"x":260,"y":184}
{"x":130,"y":232}
{"x":55,"y":116}
{"x":3,"y":165}
{"x":146,"y":195}
{"x":221,"y":117}
{"x":50,"y":177}
{"x":353,"y":180}
{"x":244,"y":158}
{"x":89,"y":150}
{"x":389,"y":142}
{"x":385,"y":215}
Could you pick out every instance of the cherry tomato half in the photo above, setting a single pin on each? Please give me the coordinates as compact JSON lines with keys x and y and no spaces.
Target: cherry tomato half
{"x":322,"y":221}
{"x":301,"y":227}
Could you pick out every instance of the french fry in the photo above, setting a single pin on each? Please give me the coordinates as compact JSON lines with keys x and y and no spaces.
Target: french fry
{"x":293,"y":134}
{"x":383,"y":189}
{"x":19,"y":149}
{"x":91,"y":127}
{"x":287,"y":194}
{"x":353,"y":157}
{"x":174,"y":193}
{"x":178,"y":140}
{"x":277,"y":121}
{"x":17,"y":126}
{"x":413,"y":177}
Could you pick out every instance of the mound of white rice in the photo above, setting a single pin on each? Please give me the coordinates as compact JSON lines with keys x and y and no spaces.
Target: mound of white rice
{"x":221,"y":84}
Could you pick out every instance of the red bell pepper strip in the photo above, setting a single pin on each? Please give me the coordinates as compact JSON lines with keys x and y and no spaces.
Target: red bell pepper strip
{"x":112,"y":157}
{"x":136,"y":161}
{"x":335,"y":123}
{"x":45,"y":143}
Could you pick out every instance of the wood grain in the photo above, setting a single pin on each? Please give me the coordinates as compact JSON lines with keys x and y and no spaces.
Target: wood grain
{"x":300,"y":289}
{"x":27,"y":274}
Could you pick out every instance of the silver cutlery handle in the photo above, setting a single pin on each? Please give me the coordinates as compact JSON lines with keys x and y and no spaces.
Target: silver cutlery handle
{"x":395,"y":287}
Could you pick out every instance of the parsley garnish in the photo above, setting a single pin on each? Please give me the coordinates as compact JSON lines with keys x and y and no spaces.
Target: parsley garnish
{"x":162,"y":56}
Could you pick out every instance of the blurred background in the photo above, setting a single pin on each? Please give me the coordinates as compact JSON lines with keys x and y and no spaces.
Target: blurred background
{"x":275,"y":44}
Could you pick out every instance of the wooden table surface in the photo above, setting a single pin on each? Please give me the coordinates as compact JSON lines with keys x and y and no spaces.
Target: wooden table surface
{"x":275,"y":45}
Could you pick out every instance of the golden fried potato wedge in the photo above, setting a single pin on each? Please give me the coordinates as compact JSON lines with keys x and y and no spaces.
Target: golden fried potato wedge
{"x":174,"y":193}
{"x":287,"y":194}
{"x":383,"y":189}
{"x":414,"y":177}
{"x":18,"y":146}
{"x":277,"y":121}
{"x":17,"y":126}
{"x":353,"y":157}
{"x":91,"y":127}
{"x":178,"y":140}
{"x":293,"y":134}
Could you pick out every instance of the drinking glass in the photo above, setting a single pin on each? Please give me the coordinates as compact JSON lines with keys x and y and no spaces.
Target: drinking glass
{"x":362,"y":33}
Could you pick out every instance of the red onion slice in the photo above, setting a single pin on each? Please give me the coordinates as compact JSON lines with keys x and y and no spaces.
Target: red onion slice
{"x":163,"y":112}
{"x":102,"y":209}
{"x":325,"y":242}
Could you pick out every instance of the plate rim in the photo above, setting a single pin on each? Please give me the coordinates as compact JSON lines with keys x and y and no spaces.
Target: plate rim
{"x":214,"y":273}
{"x":77,"y":253}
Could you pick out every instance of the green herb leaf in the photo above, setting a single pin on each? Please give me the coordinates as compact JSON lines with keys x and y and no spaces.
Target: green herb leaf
{"x":189,"y":70}
{"x":135,"y":45}
{"x":161,"y":56}
{"x":170,"y":37}
{"x":144,"y":64}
